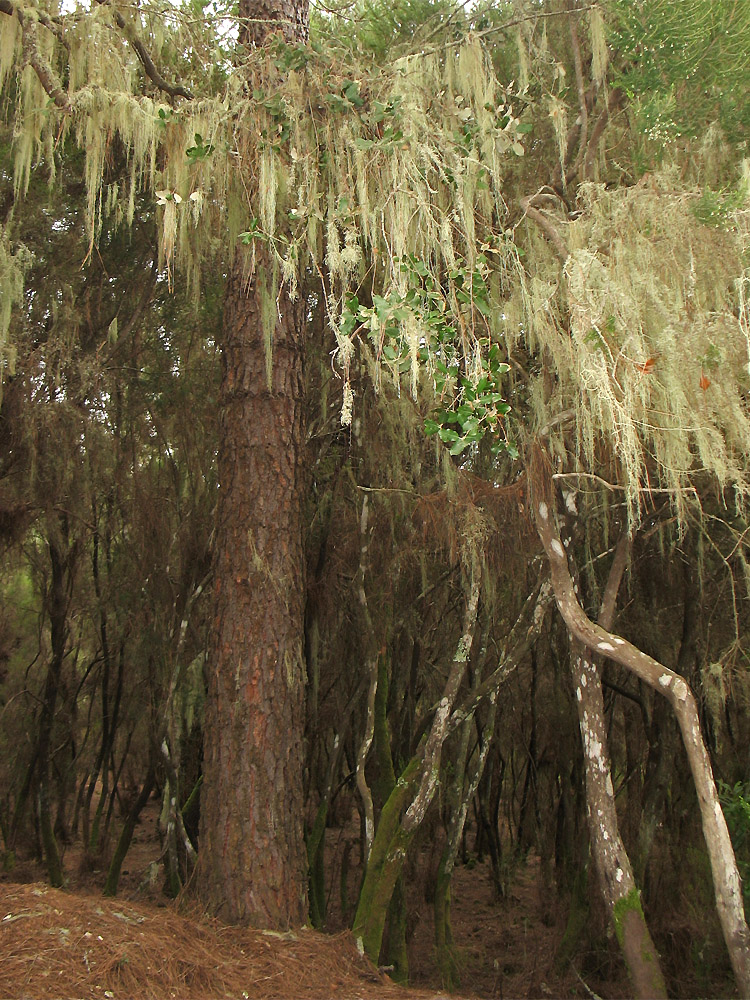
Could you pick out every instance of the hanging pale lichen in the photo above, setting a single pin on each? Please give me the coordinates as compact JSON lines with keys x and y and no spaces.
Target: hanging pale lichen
{"x":650,"y":353}
{"x":599,"y":50}
{"x":394,"y":178}
{"x":13,"y":266}
{"x":395,"y":151}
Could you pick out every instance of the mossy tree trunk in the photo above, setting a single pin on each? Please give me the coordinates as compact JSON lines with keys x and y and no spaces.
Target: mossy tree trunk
{"x":385,"y":862}
{"x":413,"y":793}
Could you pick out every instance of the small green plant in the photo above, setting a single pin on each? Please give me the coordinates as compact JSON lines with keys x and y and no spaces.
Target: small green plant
{"x":200,"y":151}
{"x":715,"y":208}
{"x":735,"y":801}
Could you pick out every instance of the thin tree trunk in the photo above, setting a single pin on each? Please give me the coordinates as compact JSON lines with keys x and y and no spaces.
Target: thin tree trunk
{"x":394,"y":834}
{"x":126,"y":835}
{"x":57,"y":609}
{"x":616,"y":879}
{"x":468,"y":771}
{"x":727,"y":886}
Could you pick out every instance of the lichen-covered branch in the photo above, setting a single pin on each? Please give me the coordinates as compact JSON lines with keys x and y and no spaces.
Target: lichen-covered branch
{"x":439,"y":730}
{"x":548,"y":228}
{"x":33,"y":57}
{"x":578,"y":64}
{"x":523,"y":635}
{"x":174,"y":90}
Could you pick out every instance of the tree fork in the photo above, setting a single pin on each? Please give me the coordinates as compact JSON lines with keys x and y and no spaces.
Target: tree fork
{"x":726,"y":879}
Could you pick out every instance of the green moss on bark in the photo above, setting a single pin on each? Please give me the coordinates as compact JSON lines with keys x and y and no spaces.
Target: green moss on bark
{"x":385,"y":863}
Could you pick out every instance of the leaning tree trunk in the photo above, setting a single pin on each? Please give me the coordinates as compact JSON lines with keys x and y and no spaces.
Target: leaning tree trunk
{"x":252,"y":866}
{"x":618,"y":885}
{"x":727,"y":885}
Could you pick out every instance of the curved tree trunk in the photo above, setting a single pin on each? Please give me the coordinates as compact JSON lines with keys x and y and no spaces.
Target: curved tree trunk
{"x":619,"y":888}
{"x":727,"y":885}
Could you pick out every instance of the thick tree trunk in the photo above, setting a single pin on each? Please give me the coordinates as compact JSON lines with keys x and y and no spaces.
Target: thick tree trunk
{"x":252,"y":866}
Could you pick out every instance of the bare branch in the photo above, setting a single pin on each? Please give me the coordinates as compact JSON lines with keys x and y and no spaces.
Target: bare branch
{"x":616,"y":100}
{"x":578,"y":63}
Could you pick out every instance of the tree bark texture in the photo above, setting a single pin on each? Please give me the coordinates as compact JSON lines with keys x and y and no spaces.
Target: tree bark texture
{"x":252,"y":866}
{"x":618,"y":885}
{"x":727,"y":885}
{"x":615,"y":871}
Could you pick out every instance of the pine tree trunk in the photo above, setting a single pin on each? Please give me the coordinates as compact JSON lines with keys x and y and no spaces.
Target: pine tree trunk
{"x":252,"y":866}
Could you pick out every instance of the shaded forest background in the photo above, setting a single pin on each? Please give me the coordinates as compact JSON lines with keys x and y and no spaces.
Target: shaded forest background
{"x":594,"y":346}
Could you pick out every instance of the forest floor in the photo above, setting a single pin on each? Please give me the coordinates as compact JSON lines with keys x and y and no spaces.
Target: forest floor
{"x":75,"y":943}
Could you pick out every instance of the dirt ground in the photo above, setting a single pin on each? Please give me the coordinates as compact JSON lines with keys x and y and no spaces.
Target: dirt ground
{"x":76,"y":944}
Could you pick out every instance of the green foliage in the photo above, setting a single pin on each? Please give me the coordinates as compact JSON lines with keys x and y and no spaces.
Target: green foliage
{"x":735,"y":801}
{"x":471,"y":405}
{"x":684,"y":65}
{"x":718,"y":208}
{"x":201,"y":150}
{"x":378,"y":28}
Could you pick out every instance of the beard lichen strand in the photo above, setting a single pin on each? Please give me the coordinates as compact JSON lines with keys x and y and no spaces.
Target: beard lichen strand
{"x":428,"y":147}
{"x":647,"y":318}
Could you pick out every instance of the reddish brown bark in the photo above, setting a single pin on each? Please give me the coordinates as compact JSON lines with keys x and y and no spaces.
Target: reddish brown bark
{"x":252,"y":866}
